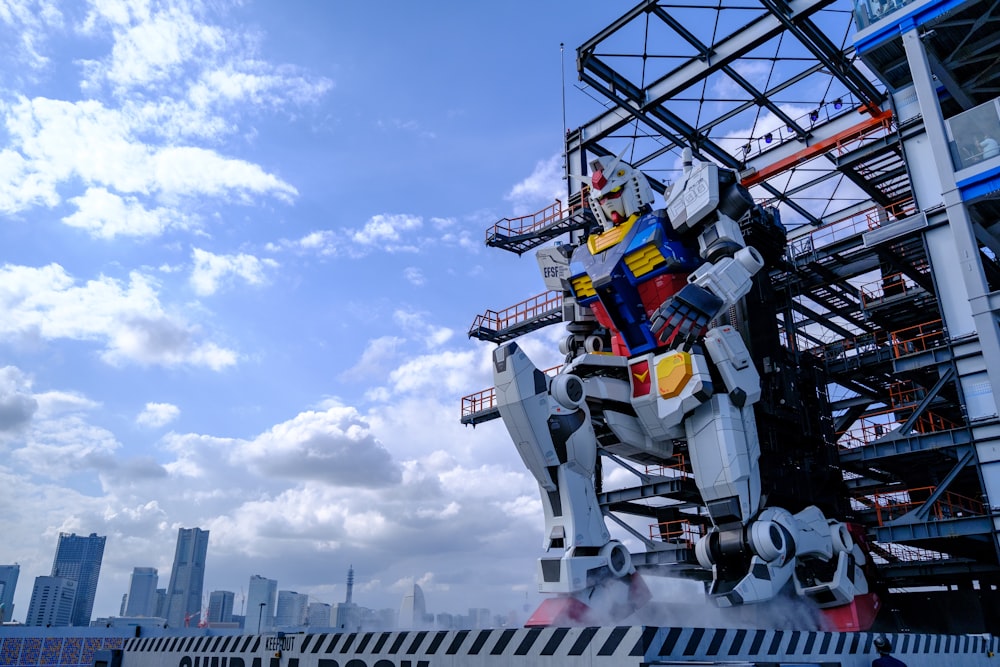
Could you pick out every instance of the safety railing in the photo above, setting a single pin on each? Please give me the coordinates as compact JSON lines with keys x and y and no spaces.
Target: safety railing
{"x":484,"y":400}
{"x":873,"y":132}
{"x":679,"y":531}
{"x":891,"y":506}
{"x":678,"y":468}
{"x":532,"y":222}
{"x":850,"y":226}
{"x":481,"y":401}
{"x":498,"y":320}
{"x":855,"y":346}
{"x":887,"y":287}
{"x":905,"y":393}
{"x":918,"y":338}
{"x":873,"y":425}
{"x":866,"y":430}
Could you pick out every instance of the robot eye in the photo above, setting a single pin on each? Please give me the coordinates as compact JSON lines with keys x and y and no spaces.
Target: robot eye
{"x":611,"y":194}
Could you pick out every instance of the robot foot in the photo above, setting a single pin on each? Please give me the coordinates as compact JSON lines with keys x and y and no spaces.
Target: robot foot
{"x":856,"y":616}
{"x":609,"y":602}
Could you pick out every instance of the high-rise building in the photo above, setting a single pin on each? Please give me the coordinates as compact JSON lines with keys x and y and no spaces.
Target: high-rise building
{"x":318,"y":615}
{"x":220,"y":606}
{"x":52,"y":601}
{"x":142,"y":592}
{"x":291,"y":610}
{"x":161,"y":603}
{"x":8,"y":583}
{"x":187,"y":577}
{"x":261,"y":598}
{"x":79,"y":558}
{"x":413,"y":610}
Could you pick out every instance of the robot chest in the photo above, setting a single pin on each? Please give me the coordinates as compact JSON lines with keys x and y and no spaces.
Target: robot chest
{"x":626,"y":266}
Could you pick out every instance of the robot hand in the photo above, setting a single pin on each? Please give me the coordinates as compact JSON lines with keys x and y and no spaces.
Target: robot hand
{"x":685,"y":317}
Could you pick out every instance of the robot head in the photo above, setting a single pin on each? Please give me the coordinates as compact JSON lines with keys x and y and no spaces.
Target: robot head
{"x":617,"y":191}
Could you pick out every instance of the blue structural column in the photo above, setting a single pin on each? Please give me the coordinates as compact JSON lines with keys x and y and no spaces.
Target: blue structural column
{"x":979,"y":373}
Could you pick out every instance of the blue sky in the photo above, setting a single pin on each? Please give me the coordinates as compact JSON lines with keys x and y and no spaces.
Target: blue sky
{"x":241,"y":246}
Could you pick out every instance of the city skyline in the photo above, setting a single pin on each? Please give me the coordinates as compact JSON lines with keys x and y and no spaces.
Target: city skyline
{"x":220,"y":605}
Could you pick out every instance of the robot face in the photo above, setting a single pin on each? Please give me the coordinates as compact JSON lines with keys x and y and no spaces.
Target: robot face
{"x":613,"y":205}
{"x":617,"y":191}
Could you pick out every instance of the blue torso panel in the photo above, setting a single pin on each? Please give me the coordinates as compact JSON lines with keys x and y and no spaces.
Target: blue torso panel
{"x":611,"y":268}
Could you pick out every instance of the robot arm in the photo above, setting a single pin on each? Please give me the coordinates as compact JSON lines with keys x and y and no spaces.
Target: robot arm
{"x":710,"y":202}
{"x":710,"y":290}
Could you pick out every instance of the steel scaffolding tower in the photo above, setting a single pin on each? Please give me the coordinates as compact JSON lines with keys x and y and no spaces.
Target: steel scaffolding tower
{"x":869,"y":126}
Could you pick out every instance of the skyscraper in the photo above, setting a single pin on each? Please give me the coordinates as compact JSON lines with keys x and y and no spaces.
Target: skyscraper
{"x":142,"y":592}
{"x":291,"y":610}
{"x":260,"y":604}
{"x":52,"y":601}
{"x":220,"y":606}
{"x":413,"y":611}
{"x":79,"y":558}
{"x":318,"y":615}
{"x":160,"y":607}
{"x":187,"y":577}
{"x":8,"y":583}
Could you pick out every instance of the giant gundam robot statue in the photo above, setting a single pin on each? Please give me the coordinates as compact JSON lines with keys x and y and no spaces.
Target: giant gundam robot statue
{"x":658,"y":287}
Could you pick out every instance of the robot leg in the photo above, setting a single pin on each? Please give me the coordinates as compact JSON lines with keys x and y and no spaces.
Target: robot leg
{"x":724,"y":452}
{"x":549,"y":421}
{"x":550,"y":424}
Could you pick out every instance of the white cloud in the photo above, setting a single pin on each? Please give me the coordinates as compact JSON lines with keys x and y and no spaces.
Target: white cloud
{"x":55,"y":403}
{"x":385,"y":230}
{"x":127,"y":318}
{"x":153,"y":46}
{"x":414,"y":276}
{"x":542,"y":187}
{"x":61,"y":446}
{"x":31,"y":19}
{"x":151,"y":50}
{"x":106,"y":215}
{"x":17,"y":405}
{"x":334,"y":445}
{"x":262,"y":86}
{"x":416,"y":324}
{"x":155,"y":415}
{"x":53,"y":141}
{"x":376,"y":359}
{"x":446,"y":370}
{"x":210,"y":270}
{"x":320,"y":242}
